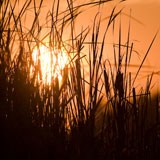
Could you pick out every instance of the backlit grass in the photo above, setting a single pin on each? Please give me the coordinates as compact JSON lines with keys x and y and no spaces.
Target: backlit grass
{"x":51,"y":109}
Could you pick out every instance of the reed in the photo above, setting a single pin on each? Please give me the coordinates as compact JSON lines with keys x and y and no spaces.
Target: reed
{"x":96,"y":116}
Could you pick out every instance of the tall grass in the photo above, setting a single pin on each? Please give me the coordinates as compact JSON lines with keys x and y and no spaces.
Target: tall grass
{"x":96,"y":116}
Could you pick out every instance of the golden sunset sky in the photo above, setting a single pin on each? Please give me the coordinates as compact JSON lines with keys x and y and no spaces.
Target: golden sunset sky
{"x":145,"y":22}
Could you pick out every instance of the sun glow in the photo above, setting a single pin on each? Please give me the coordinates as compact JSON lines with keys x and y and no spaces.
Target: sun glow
{"x":49,"y":63}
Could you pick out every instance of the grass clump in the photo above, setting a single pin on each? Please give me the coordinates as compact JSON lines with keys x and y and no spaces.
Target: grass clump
{"x":96,"y":116}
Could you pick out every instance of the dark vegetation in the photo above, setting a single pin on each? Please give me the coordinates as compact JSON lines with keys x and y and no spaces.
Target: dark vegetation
{"x":98,"y":116}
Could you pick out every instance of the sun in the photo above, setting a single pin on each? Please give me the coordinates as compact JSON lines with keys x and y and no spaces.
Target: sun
{"x":50,"y":64}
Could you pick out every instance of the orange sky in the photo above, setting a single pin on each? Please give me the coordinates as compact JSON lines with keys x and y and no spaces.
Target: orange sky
{"x":144,"y":25}
{"x":147,"y":12}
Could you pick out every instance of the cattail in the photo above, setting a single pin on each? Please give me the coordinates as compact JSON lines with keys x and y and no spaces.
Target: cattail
{"x":119,"y":84}
{"x":106,"y":79}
